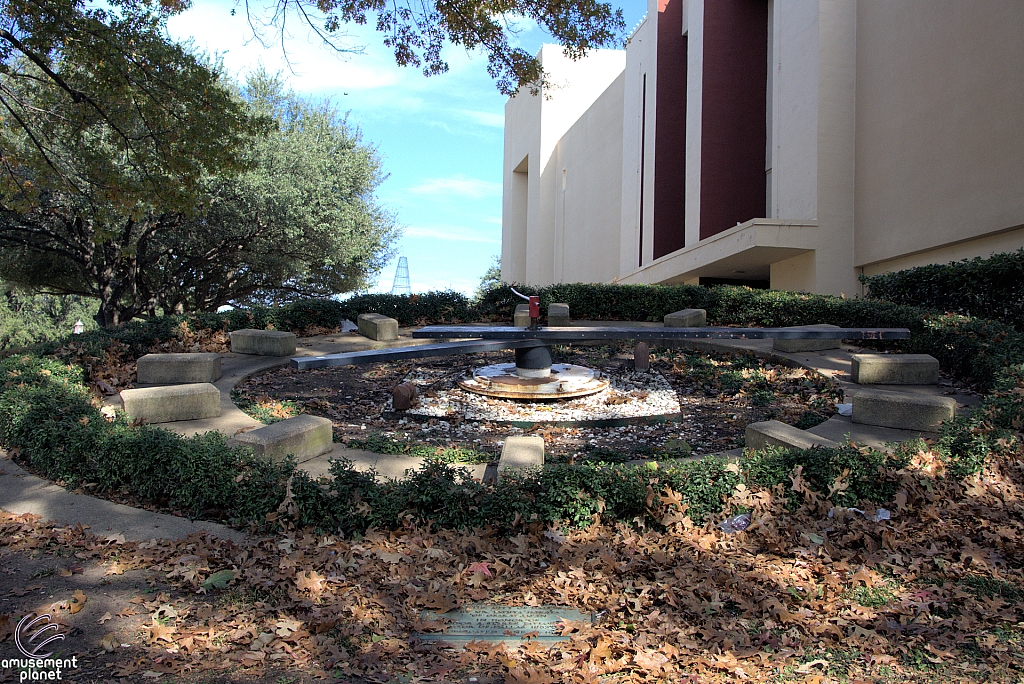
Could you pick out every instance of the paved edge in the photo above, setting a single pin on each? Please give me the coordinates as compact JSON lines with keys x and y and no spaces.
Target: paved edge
{"x":22,"y":492}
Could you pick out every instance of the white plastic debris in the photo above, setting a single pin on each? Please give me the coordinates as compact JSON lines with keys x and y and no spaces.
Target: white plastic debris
{"x":845,"y":409}
{"x":737,"y":523}
{"x":880,"y":513}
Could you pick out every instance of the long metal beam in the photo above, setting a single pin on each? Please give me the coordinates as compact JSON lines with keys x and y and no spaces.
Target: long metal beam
{"x":417,"y":352}
{"x":569,"y":334}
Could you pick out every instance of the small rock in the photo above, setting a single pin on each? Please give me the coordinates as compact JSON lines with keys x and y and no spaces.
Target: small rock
{"x":403,"y":397}
{"x":642,"y":357}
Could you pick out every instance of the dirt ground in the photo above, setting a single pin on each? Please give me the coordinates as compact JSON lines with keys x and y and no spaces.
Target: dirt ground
{"x":807,"y":595}
{"x":720,"y":394}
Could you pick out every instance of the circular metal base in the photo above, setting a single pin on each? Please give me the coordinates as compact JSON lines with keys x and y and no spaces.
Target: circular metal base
{"x":565,"y":382}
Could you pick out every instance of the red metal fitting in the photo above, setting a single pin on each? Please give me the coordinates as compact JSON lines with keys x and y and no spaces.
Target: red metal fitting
{"x":534,"y":307}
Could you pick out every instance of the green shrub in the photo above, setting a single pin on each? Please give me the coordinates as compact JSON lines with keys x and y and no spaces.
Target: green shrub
{"x":704,"y":485}
{"x":866,"y":472}
{"x":453,"y":453}
{"x":966,"y":442}
{"x":970,"y":348}
{"x":27,"y":318}
{"x":416,"y":309}
{"x":49,"y":415}
{"x":985,"y":288}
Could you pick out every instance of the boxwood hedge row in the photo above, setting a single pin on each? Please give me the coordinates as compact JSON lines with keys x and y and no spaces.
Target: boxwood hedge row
{"x":48,"y":415}
{"x":987,"y":288}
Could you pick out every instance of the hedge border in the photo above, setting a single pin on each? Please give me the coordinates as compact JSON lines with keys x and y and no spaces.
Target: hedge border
{"x":47,"y":413}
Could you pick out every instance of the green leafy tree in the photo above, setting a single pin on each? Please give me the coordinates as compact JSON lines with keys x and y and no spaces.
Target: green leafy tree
{"x":97,"y":102}
{"x":417,"y":31}
{"x":301,"y":221}
{"x":489,"y":280}
{"x":27,"y":318}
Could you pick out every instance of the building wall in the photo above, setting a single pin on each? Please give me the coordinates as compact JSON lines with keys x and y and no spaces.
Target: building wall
{"x":535,"y":126}
{"x":984,"y":247}
{"x":519,"y":199}
{"x":940,"y":124}
{"x":670,"y":141}
{"x":638,"y":132}
{"x":792,"y":163}
{"x":836,"y":153}
{"x":588,"y":204}
{"x":733,"y":125}
{"x":876,"y":135}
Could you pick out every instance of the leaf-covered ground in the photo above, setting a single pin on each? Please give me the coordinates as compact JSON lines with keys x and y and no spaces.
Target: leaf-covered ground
{"x":720,"y":394}
{"x":932,"y":595}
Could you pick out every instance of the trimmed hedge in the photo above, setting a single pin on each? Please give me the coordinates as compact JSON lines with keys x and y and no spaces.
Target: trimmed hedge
{"x":970,"y":348}
{"x":988,"y":288}
{"x":48,"y":415}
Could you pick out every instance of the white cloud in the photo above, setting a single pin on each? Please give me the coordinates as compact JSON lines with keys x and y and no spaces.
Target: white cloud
{"x":457,"y":185}
{"x":451,"y":233}
{"x":310,"y":65}
{"x":492,"y":119}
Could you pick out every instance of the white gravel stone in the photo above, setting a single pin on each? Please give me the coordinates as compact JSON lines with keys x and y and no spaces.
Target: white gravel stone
{"x":629,"y":395}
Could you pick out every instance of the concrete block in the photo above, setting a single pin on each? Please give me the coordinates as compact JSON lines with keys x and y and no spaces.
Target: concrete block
{"x":775,"y":433}
{"x":919,"y":412}
{"x":806,"y":345}
{"x":378,"y":327}
{"x":303,"y":436}
{"x":894,"y":369}
{"x":172,"y":403}
{"x":178,"y":369}
{"x":521,"y":318}
{"x":521,"y":452}
{"x":687,"y":318}
{"x":263,"y":342}
{"x":558,"y":315}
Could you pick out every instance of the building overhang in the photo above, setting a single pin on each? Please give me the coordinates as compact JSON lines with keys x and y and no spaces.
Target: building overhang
{"x":744,"y":252}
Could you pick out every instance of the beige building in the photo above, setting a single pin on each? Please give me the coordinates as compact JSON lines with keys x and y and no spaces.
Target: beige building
{"x":796,"y":143}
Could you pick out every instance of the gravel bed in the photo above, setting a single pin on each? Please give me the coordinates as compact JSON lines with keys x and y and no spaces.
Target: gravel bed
{"x":716,"y":396}
{"x":630,"y":395}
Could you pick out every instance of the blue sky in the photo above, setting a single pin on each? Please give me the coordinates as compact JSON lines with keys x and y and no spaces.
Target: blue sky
{"x":440,"y":137}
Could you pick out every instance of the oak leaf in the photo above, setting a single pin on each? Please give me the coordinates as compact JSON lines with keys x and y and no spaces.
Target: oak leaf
{"x":77,"y":601}
{"x":310,"y":581}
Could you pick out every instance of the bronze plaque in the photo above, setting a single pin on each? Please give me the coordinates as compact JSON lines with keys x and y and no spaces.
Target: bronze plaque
{"x":495,"y":623}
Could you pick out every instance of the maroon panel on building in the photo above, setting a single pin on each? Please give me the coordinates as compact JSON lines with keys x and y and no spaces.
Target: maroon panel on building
{"x":670,"y":131}
{"x":733,"y":121}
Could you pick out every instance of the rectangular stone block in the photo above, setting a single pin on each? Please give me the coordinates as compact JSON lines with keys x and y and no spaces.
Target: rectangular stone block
{"x":918,"y":412}
{"x":263,"y":342}
{"x":521,"y":318}
{"x":776,"y":433}
{"x":378,"y":327}
{"x":521,"y":452}
{"x":558,"y":315}
{"x":806,"y":345}
{"x":172,"y":403}
{"x":687,"y":318}
{"x":498,"y":624}
{"x":303,"y":436}
{"x":894,"y":369}
{"x":178,"y":369}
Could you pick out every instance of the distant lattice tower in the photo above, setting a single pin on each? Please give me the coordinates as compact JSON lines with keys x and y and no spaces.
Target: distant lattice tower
{"x":401,"y":285}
